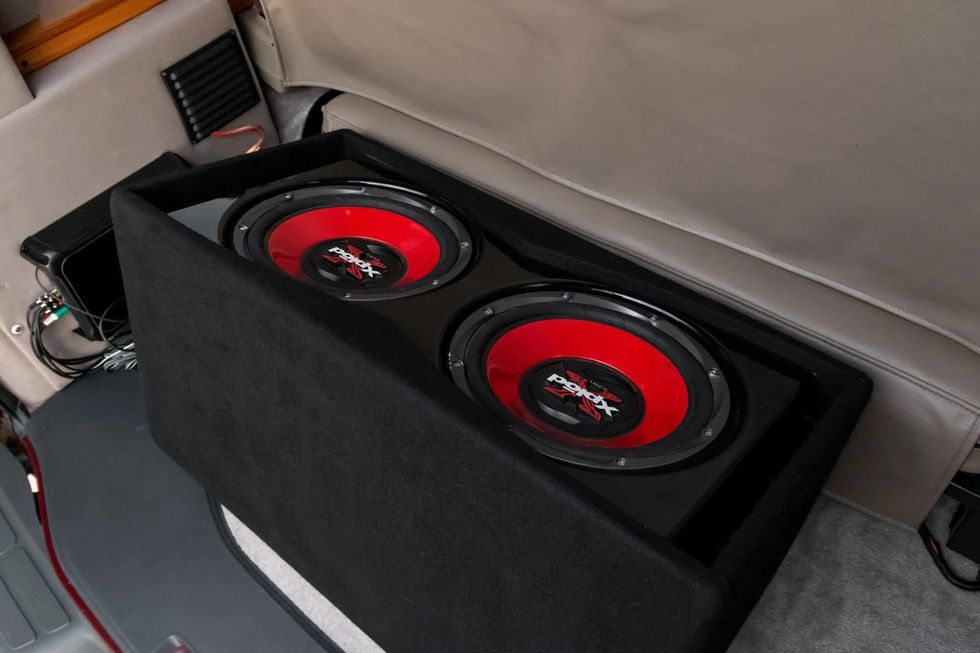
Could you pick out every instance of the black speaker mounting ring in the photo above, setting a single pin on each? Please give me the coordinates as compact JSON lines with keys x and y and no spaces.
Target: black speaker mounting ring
{"x":253,"y":225}
{"x":697,"y":433}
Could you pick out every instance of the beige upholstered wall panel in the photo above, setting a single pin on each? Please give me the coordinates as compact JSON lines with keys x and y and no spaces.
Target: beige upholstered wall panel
{"x":838,"y":139}
{"x":13,"y":89}
{"x":924,"y":414}
{"x":15,"y":13}
{"x":98,"y":114}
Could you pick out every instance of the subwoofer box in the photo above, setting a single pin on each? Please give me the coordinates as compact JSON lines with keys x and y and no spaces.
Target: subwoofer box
{"x":321,"y":424}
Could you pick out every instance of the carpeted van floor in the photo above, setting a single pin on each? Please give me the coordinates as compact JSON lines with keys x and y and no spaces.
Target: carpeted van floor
{"x":854,"y":584}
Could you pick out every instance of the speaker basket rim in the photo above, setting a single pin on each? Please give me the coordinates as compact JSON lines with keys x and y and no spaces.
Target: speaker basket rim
{"x":278,"y":203}
{"x":659,"y":454}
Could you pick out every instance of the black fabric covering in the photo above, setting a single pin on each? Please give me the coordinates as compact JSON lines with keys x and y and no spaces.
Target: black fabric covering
{"x":367,"y":470}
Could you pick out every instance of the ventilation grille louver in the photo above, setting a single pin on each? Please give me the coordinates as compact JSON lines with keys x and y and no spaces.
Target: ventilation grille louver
{"x":212,"y":86}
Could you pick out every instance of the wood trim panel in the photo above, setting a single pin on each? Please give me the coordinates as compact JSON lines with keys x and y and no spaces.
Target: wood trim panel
{"x":35,"y":32}
{"x":36,"y":45}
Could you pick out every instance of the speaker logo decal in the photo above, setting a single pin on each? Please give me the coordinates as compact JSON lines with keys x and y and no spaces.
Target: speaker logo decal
{"x":580,"y":377}
{"x":355,"y":263}
{"x":592,"y":404}
{"x":582,"y":397}
{"x":357,"y":266}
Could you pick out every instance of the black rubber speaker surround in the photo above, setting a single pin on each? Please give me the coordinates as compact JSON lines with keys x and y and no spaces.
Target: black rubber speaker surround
{"x":593,"y":378}
{"x":359,"y":240}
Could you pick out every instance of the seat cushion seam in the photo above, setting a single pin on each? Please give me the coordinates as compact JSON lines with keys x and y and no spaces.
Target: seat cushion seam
{"x":954,"y":464}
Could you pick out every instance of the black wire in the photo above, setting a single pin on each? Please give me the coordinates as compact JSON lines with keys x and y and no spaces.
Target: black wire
{"x":69,"y":368}
{"x":40,"y":352}
{"x":932,"y":546}
{"x":122,"y":331}
{"x":70,"y":361}
{"x":73,"y":309}
{"x":118,"y":338}
{"x":66,"y":370}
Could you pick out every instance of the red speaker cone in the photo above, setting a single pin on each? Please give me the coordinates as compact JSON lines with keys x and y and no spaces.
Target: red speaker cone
{"x":405,"y":238}
{"x":359,"y":240}
{"x":593,"y":379}
{"x":581,"y":360}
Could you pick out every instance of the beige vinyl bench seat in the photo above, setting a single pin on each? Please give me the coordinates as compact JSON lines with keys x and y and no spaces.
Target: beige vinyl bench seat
{"x":924,"y":416}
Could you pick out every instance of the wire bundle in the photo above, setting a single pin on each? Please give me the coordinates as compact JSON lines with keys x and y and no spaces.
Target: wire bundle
{"x":936,"y":552}
{"x":49,"y":308}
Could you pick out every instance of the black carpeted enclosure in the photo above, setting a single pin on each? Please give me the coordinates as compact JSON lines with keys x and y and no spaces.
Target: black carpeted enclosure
{"x":320,"y":425}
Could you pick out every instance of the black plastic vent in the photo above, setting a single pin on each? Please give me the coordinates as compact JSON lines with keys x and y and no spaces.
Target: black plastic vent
{"x":212,"y":86}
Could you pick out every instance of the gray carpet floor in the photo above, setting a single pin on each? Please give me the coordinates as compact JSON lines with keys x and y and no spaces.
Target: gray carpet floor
{"x":856,"y":584}
{"x":850,"y":583}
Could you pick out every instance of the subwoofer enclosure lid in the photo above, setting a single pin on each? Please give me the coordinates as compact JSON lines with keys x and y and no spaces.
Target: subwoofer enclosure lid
{"x":423,"y":519}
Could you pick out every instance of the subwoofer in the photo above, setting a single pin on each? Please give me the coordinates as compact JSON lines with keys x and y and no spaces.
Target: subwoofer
{"x":645,"y":407}
{"x":593,"y":378}
{"x":604,"y":459}
{"x":358,"y":240}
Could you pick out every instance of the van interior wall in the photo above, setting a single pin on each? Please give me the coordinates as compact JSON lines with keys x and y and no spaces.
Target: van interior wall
{"x":97,"y":115}
{"x":821,"y":142}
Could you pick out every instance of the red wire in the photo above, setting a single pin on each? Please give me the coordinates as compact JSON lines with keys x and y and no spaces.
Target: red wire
{"x":231,"y":133}
{"x":42,"y":509}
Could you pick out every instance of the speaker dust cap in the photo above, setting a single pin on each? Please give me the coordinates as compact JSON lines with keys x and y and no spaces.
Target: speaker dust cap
{"x":357,"y":240}
{"x":593,"y":378}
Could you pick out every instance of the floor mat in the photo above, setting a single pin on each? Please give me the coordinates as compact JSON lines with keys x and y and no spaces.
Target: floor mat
{"x":136,"y":535}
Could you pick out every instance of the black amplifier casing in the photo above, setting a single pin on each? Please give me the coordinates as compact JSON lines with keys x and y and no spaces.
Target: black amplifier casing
{"x":330,"y":429}
{"x":77,"y":252}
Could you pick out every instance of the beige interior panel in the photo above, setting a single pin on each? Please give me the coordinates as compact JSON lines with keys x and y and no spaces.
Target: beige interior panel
{"x":54,"y":9}
{"x":13,"y":89}
{"x":15,"y":13}
{"x":812,"y":162}
{"x":838,"y":140}
{"x":98,"y":114}
{"x":972,"y":463}
{"x":924,"y":415}
{"x":261,"y":47}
